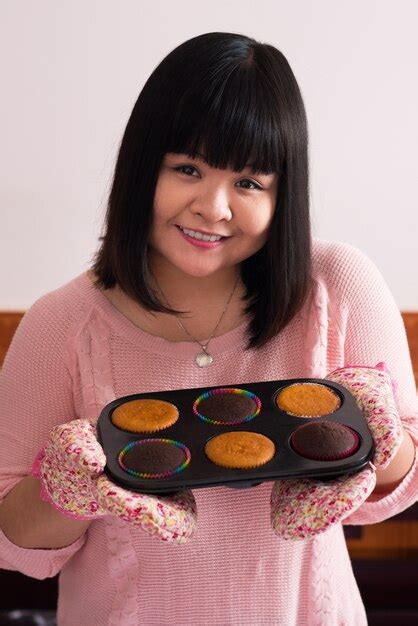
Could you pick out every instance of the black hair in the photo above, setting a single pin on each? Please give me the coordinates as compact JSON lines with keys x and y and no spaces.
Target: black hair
{"x":239,"y":99}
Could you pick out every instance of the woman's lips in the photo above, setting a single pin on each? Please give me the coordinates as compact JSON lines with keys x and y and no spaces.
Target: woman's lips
{"x":199,"y":243}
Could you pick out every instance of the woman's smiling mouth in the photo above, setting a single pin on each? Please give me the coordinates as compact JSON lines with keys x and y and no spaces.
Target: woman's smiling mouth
{"x":200,"y":239}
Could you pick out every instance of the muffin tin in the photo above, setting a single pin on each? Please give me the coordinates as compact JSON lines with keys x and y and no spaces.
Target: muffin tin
{"x":190,"y":433}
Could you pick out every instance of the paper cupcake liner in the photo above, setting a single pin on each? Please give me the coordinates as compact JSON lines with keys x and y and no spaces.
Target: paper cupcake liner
{"x":254,"y":463}
{"x":308,"y":416}
{"x":166,"y":474}
{"x":328,"y":457}
{"x":221,"y":391}
{"x":148,"y":429}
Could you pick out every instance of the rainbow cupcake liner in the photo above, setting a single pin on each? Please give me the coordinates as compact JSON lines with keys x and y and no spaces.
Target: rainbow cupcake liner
{"x":222,"y":390}
{"x":167,"y":474}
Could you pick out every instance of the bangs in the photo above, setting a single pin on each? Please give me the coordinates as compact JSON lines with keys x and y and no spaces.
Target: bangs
{"x":231,"y":123}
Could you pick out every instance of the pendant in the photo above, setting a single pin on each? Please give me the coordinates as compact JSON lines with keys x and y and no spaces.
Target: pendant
{"x":203,"y":359}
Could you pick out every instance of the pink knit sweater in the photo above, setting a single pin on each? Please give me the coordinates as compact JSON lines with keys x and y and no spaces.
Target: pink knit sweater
{"x":74,"y":352}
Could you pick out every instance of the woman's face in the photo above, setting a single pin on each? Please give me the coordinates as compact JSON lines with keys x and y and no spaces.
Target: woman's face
{"x":192,"y":195}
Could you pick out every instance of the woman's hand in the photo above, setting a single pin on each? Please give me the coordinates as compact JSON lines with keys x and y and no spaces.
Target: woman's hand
{"x":305,"y":507}
{"x":70,"y":469}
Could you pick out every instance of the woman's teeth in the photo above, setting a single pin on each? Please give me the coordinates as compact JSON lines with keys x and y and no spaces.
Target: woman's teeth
{"x":197,"y":235}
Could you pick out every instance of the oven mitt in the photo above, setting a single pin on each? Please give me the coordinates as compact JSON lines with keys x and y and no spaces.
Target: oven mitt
{"x":302,"y":508}
{"x":70,"y":469}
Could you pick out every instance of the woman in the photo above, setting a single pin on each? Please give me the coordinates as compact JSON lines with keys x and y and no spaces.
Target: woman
{"x":216,"y":145}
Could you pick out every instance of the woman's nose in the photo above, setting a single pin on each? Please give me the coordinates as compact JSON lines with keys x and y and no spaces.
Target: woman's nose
{"x":213,"y":205}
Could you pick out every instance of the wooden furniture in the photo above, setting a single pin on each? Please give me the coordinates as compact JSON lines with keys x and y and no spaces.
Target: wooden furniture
{"x":8,"y":324}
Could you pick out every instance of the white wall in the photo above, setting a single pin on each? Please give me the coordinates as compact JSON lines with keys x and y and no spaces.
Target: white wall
{"x":72,"y":71}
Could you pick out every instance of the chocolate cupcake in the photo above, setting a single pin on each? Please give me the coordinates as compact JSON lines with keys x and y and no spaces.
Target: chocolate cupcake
{"x":154,"y":458}
{"x":325,"y":441}
{"x":308,"y":400}
{"x":145,"y":415}
{"x":240,"y":449}
{"x":226,"y":406}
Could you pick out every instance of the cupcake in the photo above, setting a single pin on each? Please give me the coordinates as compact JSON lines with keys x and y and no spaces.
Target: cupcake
{"x":145,"y":416}
{"x":325,"y":441}
{"x":240,"y":449}
{"x":154,"y":458}
{"x":225,"y":406}
{"x":308,"y":400}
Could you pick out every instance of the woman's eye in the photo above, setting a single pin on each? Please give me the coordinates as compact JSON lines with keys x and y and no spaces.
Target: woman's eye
{"x":254,"y":185}
{"x":183,"y":169}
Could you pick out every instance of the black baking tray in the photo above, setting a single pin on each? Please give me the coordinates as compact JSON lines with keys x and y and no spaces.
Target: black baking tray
{"x":194,"y":433}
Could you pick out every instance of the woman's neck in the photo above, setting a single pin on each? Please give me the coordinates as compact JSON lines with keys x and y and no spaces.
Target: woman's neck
{"x":186,"y":292}
{"x":203,"y":306}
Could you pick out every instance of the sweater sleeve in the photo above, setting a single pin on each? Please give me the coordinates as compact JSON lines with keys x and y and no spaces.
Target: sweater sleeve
{"x":375,"y":332}
{"x":35,"y":395}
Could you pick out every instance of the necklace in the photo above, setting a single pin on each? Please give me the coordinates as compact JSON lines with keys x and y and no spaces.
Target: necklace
{"x":204,"y":359}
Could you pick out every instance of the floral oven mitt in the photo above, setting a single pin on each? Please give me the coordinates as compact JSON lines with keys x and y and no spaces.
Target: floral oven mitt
{"x":302,"y":508}
{"x":70,"y":469}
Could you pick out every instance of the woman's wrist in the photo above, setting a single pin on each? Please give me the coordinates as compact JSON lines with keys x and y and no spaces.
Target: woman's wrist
{"x":29,"y":522}
{"x":389,"y":478}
